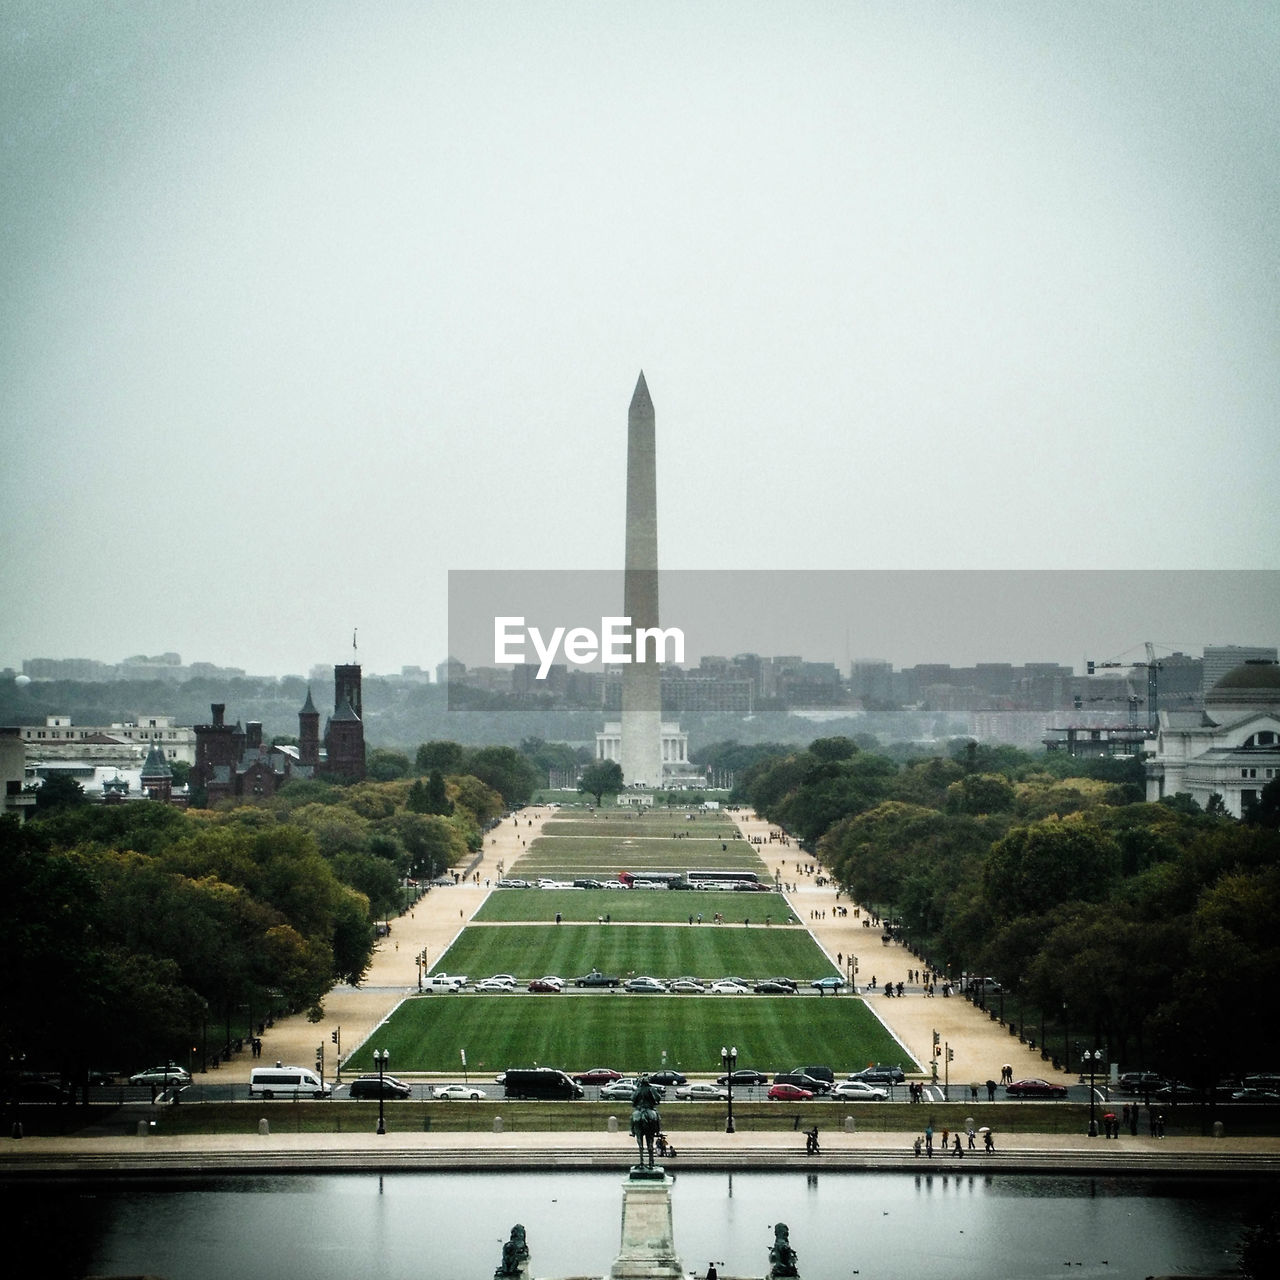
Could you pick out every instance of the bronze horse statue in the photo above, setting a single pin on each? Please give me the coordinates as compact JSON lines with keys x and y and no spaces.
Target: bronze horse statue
{"x":645,"y":1121}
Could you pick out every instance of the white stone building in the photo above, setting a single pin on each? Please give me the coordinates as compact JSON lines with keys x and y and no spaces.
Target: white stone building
{"x":1230,"y":749}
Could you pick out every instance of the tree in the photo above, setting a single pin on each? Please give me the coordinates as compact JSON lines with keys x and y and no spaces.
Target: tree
{"x":430,"y":797}
{"x":386,"y":766}
{"x":1036,"y":868}
{"x":59,"y":791}
{"x":506,"y":771}
{"x":604,"y":776}
{"x":445,"y":756}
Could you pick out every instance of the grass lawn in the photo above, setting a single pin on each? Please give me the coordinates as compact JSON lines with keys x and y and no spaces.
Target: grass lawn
{"x":662,"y":951}
{"x":658,"y":906}
{"x":564,"y":857}
{"x":630,"y":1033}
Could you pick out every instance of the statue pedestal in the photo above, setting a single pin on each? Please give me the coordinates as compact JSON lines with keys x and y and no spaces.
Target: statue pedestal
{"x":648,"y":1244}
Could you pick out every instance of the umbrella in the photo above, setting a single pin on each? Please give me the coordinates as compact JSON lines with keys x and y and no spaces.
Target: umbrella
{"x":985,"y":1129}
{"x":1108,"y":1115}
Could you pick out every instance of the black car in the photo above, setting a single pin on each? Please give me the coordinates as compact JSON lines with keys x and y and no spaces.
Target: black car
{"x":879,"y":1074}
{"x":745,"y":1076}
{"x":771,"y":987}
{"x":375,"y":1086}
{"x":668,"y":1077}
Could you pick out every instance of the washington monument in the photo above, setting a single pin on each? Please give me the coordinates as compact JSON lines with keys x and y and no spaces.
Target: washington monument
{"x":641,"y":681}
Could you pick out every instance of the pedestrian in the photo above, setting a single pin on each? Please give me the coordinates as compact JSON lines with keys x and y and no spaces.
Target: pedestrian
{"x":928,"y":1140}
{"x":915,"y":1146}
{"x":959,"y":1150}
{"x":972,"y":1142}
{"x":988,"y":1141}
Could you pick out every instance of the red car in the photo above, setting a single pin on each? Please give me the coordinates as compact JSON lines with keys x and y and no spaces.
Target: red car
{"x":545,"y":984}
{"x":1035,"y":1089}
{"x":788,"y":1093}
{"x":598,"y":1075}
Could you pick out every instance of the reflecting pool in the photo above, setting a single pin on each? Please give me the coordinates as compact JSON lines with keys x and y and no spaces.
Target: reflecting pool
{"x":434,"y":1226}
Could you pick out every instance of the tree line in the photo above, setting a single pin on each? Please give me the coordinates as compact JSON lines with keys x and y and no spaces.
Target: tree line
{"x":1109,"y":922}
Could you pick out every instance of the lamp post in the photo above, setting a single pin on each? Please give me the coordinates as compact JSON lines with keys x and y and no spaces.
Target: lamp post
{"x":1093,"y":1057}
{"x":729,"y":1060}
{"x":380,"y":1056}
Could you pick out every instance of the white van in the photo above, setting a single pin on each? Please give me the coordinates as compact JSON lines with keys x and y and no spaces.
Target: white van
{"x":286,"y":1082}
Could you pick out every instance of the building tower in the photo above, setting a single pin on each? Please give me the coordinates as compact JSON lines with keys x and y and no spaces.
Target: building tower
{"x":309,"y":734}
{"x":344,"y":734}
{"x":641,"y":681}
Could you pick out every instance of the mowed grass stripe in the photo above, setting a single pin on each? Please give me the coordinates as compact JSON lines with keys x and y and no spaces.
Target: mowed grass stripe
{"x":630,"y":1033}
{"x":657,"y":906}
{"x":662,"y":951}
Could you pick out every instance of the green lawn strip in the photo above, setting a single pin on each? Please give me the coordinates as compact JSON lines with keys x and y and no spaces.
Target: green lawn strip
{"x":584,"y":905}
{"x":662,"y":951}
{"x":663,"y":823}
{"x":627,"y":1032}
{"x":567,"y":857}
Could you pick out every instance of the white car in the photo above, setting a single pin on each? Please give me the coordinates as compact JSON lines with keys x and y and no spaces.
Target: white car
{"x":459,"y":1093}
{"x":496,"y":984}
{"x":859,"y":1091}
{"x":701,"y":1092}
{"x":163,"y":1076}
{"x":729,"y":989}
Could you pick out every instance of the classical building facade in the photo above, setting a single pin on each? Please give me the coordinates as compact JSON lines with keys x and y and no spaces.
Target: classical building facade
{"x":1231,"y":748}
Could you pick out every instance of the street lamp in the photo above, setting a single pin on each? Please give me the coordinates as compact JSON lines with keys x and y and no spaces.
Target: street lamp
{"x":380,"y":1057}
{"x":729,"y":1060}
{"x":1092,"y":1057}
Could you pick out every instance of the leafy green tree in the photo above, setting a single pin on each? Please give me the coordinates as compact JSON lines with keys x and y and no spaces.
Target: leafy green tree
{"x":59,"y":791}
{"x":602,"y":778}
{"x":506,"y":771}
{"x":448,"y":757}
{"x":386,"y":766}
{"x":431,"y":797}
{"x":1038,"y":867}
{"x":980,"y":793}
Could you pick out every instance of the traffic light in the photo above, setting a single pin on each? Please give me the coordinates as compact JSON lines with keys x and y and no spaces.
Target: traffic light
{"x":951,"y":1054}
{"x":937,"y":1045}
{"x":1088,"y":666}
{"x":320,"y":1057}
{"x":333,"y":1035}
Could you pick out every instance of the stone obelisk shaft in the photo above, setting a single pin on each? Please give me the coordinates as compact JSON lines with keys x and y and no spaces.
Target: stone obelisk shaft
{"x":641,"y":681}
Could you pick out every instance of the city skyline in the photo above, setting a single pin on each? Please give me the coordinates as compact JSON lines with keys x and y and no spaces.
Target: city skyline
{"x":304,"y":312}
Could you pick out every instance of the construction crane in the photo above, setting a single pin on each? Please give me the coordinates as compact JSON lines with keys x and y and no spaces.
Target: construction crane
{"x":1153,"y":689}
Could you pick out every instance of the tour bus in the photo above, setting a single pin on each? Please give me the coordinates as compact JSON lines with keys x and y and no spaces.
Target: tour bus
{"x":722,"y":879}
{"x":539,"y":1082}
{"x":286,"y":1082}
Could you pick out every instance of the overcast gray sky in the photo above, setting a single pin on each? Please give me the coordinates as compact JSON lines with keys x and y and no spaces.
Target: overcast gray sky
{"x":304,"y":305}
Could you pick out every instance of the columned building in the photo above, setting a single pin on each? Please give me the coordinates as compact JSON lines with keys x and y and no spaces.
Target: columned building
{"x":1230,"y":749}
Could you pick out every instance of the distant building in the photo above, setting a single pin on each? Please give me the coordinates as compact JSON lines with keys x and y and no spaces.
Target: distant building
{"x":13,"y":759}
{"x":124,"y":744}
{"x":234,"y":762}
{"x":1231,"y":748}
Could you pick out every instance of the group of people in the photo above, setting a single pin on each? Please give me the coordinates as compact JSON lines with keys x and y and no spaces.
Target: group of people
{"x":925,"y":1144}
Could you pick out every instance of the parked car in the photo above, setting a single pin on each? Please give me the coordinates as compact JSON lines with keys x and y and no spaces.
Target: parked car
{"x":1035,"y":1089}
{"x":35,"y":1089}
{"x":701,"y":1092}
{"x":823,"y":1073}
{"x":1175,"y":1091}
{"x":164,"y":1077}
{"x":789,"y":983}
{"x":496,"y":984}
{"x":598,"y":1075}
{"x":644,"y":983}
{"x":546,"y":984}
{"x":802,"y":1081}
{"x":858,"y":1091}
{"x":829,"y":983}
{"x":745,"y":1077}
{"x":622,"y":1090}
{"x":667,"y":1076}
{"x":879,"y":1074}
{"x":768,"y":987}
{"x":727,"y":988}
{"x":687,"y":986}
{"x":789,"y":1093}
{"x":458,"y":1093}
{"x":364,"y":1087}
{"x":597,"y":979}
{"x":1255,"y":1095}
{"x":1141,"y":1082}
